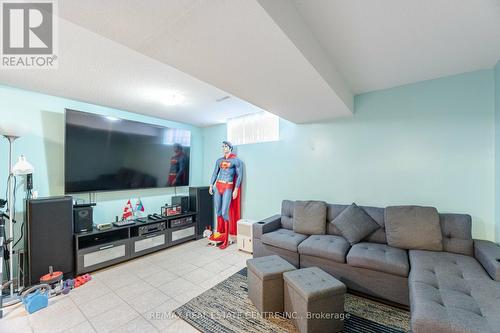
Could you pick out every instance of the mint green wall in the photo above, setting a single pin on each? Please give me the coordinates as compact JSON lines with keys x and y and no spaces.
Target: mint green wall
{"x":429,"y":143}
{"x":43,"y":117}
{"x":497,"y":149}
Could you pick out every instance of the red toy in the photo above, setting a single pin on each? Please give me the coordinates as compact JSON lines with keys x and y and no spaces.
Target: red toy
{"x":81,"y":280}
{"x":52,"y":278}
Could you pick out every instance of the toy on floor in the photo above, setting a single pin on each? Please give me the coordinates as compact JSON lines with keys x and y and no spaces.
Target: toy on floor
{"x":67,"y":286}
{"x":211,"y":236}
{"x":208,"y":232}
{"x":81,"y":280}
{"x":216,"y":239}
{"x":51,"y":284}
{"x":52,"y":278}
{"x":55,"y":281}
{"x":58,"y":285}
{"x":36,"y":297}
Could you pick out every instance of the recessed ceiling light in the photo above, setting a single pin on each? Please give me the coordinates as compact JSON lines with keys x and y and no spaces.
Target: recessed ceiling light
{"x":164,"y":96}
{"x":173,"y":98}
{"x":112,"y":118}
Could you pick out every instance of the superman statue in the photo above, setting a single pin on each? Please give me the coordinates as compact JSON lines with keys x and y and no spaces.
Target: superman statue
{"x":177,"y":175}
{"x":226,"y":179}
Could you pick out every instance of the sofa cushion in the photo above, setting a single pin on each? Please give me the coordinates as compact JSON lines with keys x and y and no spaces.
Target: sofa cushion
{"x":413,"y":227}
{"x":283,"y":238}
{"x":379,"y":257}
{"x":309,"y":217}
{"x":451,"y":293}
{"x":355,"y":224}
{"x":457,"y":235}
{"x":332,"y":211}
{"x":325,"y":246}
{"x":287,"y":214}
{"x":376,"y":213}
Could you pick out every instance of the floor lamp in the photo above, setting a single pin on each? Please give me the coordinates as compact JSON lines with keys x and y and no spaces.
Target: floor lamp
{"x":10,"y":199}
{"x":22,"y":167}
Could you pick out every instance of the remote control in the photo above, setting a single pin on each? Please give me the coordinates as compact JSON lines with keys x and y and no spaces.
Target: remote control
{"x":123,"y":223}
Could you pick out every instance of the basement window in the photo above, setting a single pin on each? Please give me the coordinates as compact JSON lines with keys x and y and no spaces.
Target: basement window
{"x":253,"y":128}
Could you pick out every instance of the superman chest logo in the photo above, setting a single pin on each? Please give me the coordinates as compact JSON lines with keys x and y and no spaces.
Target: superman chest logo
{"x":225,"y":165}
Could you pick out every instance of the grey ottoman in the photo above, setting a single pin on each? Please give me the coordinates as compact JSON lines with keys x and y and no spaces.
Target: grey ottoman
{"x":314,"y":300}
{"x":265,"y":282}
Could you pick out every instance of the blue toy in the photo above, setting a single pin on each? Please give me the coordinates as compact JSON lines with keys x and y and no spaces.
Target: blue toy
{"x":36,"y":298}
{"x":67,"y":286}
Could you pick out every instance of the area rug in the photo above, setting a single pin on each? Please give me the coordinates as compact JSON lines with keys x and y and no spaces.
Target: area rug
{"x":226,"y":309}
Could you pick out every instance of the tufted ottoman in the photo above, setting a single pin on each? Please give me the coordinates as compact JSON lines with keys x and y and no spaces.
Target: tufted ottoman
{"x":314,"y":300}
{"x":265,"y":282}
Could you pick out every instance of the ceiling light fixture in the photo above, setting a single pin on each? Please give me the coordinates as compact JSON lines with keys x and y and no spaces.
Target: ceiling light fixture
{"x":173,"y":98}
{"x":164,"y":96}
{"x":112,"y":118}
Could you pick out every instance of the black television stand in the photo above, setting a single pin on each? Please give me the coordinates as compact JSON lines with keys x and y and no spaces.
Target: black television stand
{"x":98,"y":249}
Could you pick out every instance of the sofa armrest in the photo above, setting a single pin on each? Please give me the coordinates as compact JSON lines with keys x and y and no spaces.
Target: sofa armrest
{"x":267,"y":225}
{"x":488,"y":254}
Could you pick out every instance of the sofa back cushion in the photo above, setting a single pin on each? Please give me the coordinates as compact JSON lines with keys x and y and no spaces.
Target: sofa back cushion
{"x":309,"y":217}
{"x":457,"y":234}
{"x":287,"y":214}
{"x":355,"y":224}
{"x":376,"y":213}
{"x":413,"y":228}
{"x":332,"y":211}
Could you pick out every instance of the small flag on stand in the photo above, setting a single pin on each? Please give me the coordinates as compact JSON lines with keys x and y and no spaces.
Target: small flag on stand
{"x":128,"y":211}
{"x":139,"y":208}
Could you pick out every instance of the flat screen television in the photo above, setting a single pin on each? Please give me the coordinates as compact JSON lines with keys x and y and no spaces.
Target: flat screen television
{"x":104,"y":153}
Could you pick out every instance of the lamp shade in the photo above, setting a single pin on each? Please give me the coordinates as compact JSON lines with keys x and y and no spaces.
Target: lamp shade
{"x":13,"y":129}
{"x":22,"y":167}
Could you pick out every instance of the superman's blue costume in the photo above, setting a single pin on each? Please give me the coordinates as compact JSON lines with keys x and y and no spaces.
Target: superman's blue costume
{"x":227,"y":175}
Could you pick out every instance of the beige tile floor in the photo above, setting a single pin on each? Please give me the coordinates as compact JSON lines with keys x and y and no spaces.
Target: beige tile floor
{"x":135,"y":296}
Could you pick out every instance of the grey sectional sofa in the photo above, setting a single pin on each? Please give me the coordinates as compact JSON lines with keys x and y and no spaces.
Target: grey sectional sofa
{"x":454,"y":289}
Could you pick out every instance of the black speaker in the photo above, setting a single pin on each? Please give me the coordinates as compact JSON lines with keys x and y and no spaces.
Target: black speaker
{"x":202,"y":202}
{"x":183,"y":201}
{"x":50,"y":237}
{"x":83,"y":219}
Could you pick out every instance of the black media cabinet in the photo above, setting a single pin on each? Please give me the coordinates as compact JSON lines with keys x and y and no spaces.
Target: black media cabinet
{"x":98,"y":249}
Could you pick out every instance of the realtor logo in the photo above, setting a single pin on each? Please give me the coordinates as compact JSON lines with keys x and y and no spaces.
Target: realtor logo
{"x":28,"y":34}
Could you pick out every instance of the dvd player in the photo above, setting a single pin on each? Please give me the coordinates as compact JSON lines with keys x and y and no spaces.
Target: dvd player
{"x":150,"y":228}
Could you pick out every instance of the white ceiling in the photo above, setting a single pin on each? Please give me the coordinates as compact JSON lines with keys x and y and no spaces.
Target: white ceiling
{"x":232,"y":44}
{"x":97,"y":70}
{"x":378,"y":44}
{"x":300,"y":59}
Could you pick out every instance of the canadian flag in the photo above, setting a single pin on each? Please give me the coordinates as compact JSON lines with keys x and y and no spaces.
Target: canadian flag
{"x":128,"y":211}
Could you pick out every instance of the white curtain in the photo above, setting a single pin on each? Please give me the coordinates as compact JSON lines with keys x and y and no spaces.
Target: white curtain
{"x":253,"y":128}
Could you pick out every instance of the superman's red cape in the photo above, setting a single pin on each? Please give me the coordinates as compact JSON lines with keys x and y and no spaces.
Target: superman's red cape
{"x":235,"y":207}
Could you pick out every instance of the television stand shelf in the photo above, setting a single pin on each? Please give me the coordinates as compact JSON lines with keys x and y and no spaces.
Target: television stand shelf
{"x":98,"y":249}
